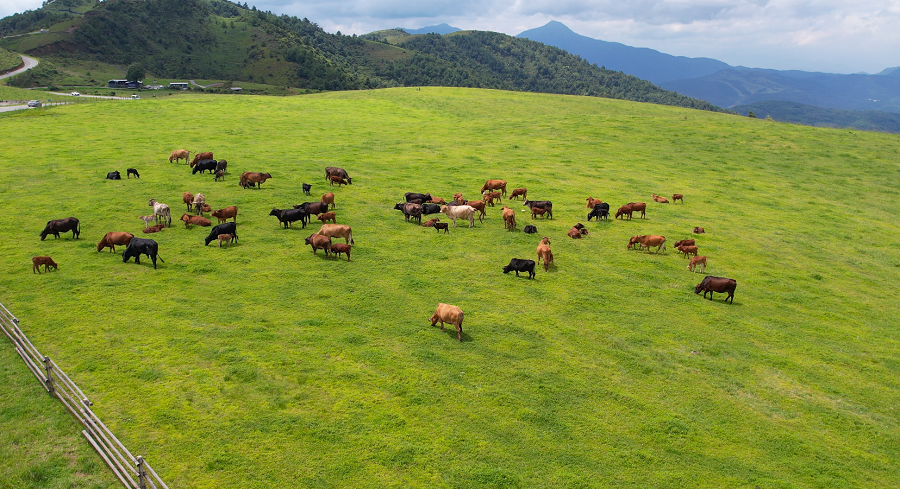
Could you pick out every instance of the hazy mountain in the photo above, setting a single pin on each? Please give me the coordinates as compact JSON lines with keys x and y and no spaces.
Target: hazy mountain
{"x":643,"y":63}
{"x":810,"y":115}
{"x":434,"y":29}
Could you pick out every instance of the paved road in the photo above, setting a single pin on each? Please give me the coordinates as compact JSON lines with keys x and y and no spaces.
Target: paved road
{"x":29,"y":64}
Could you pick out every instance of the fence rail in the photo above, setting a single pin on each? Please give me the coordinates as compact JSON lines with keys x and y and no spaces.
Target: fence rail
{"x":133,"y":472}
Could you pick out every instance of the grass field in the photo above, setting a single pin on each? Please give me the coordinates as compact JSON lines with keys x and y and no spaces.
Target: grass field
{"x":262,"y":365}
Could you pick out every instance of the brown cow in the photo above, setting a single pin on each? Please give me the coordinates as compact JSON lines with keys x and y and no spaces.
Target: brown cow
{"x":110,"y":240}
{"x":225,"y":238}
{"x":699,"y":230}
{"x":195,"y":220}
{"x":329,"y":199}
{"x":623,"y":211}
{"x":591,"y":202}
{"x":224,"y":214}
{"x":574,"y":233}
{"x":519,"y":192}
{"x":688,"y":250}
{"x":538,"y":211}
{"x":155,"y":228}
{"x":450,"y":314}
{"x":649,"y":241}
{"x":660,"y":199}
{"x":490,"y":197}
{"x":458,"y":197}
{"x":544,"y":252}
{"x":717,"y":284}
{"x":678,"y":197}
{"x":48,"y":262}
{"x":338,"y":248}
{"x":509,"y":218}
{"x":697,"y":261}
{"x":248,"y":178}
{"x":639,"y":207}
{"x":180,"y":154}
{"x":337,"y":231}
{"x":327,"y":216}
{"x":495,"y":185}
{"x":188,"y":199}
{"x":431,"y":222}
{"x":201,"y":156}
{"x":437,"y":200}
{"x":479,"y":206}
{"x":319,"y":242}
{"x":684,"y":242}
{"x":336,"y":179}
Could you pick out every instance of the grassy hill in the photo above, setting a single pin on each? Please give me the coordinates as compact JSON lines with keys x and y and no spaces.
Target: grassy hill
{"x":263,"y":365}
{"x":8,"y":60}
{"x":811,"y":115}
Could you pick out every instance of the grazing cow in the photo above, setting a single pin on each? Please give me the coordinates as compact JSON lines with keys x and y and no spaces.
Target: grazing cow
{"x":490,"y":197}
{"x":688,"y":250}
{"x":57,"y":226}
{"x":201,"y":156}
{"x":155,"y":228}
{"x":442,"y":226}
{"x":110,"y":240}
{"x":220,"y":175}
{"x":335,"y":171}
{"x":227,"y":228}
{"x":313,"y":208}
{"x":306,"y":188}
{"x":697,"y":261}
{"x":327,"y":216}
{"x":195,"y":220}
{"x":223,"y":214}
{"x":540,"y":204}
{"x":530,"y":229}
{"x":48,"y":262}
{"x":222,"y":165}
{"x":141,"y":246}
{"x":410,"y":210}
{"x":678,"y":197}
{"x":132,"y":171}
{"x":161,"y":211}
{"x":430,"y":223}
{"x":199,"y":202}
{"x":717,"y":284}
{"x":114,"y":175}
{"x":685,"y":242}
{"x":460,"y":211}
{"x":338,"y":248}
{"x":450,"y":314}
{"x":329,"y":199}
{"x":509,"y":218}
{"x":180,"y":154}
{"x":519,"y":192}
{"x":699,"y":230}
{"x":430,"y":209}
{"x":188,"y":199}
{"x":319,"y":242}
{"x":204,"y":165}
{"x":591,"y":202}
{"x":495,"y":185}
{"x":630,"y":208}
{"x":253,"y":177}
{"x":225,"y":238}
{"x":624,"y":211}
{"x":288,"y":216}
{"x":411,"y":196}
{"x":660,"y":199}
{"x":600,"y":211}
{"x":545,"y":253}
{"x":479,"y":206}
{"x":147,"y":219}
{"x":520,"y":265}
{"x":649,"y":241}
{"x":437,"y":200}
{"x":334,"y":179}
{"x":337,"y":231}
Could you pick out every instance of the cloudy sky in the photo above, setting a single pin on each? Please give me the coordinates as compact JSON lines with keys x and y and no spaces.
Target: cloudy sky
{"x":838,"y":36}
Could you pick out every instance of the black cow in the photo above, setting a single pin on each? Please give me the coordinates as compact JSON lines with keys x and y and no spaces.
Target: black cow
{"x":225,"y":228}
{"x":222,"y":165}
{"x":142,"y":246}
{"x":430,"y":209}
{"x":454,"y":202}
{"x":340,"y":172}
{"x":530,"y":229}
{"x":287,"y":216}
{"x":540,"y":204}
{"x":57,"y":226}
{"x":410,"y":196}
{"x":306,"y":188}
{"x":204,"y":165}
{"x":132,"y":171}
{"x":313,"y":208}
{"x":519,"y":265}
{"x":442,"y":226}
{"x":717,"y":284}
{"x":114,"y":175}
{"x":601,"y":211}
{"x":410,"y":210}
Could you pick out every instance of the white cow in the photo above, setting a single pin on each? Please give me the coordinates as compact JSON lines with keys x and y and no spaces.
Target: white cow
{"x":460,"y":211}
{"x":161,"y":210}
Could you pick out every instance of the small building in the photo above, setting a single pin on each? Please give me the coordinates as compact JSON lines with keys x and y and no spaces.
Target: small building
{"x":236,"y":89}
{"x":125,"y":84}
{"x":178,"y":85}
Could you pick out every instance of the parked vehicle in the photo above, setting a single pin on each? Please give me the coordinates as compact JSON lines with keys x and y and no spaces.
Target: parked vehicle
{"x":34,"y":103}
{"x":135,"y":97}
{"x":76,"y":94}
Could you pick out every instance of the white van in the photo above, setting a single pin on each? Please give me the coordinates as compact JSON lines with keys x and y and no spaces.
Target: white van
{"x":135,"y":97}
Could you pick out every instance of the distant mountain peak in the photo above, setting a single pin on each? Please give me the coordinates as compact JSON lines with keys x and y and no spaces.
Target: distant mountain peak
{"x":433,"y":29}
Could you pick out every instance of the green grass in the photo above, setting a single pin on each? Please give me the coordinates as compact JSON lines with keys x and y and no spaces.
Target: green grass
{"x":8,"y":60}
{"x":263,"y":365}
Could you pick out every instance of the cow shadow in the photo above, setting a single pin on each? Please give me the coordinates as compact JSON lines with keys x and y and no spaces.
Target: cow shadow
{"x":451,"y":333}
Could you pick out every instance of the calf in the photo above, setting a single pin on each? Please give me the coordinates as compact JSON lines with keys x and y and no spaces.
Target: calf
{"x":541,"y":204}
{"x":574,"y":233}
{"x":188,"y":199}
{"x":712,"y":284}
{"x":698,"y":230}
{"x":685,"y":242}
{"x":591,"y":202}
{"x":220,"y":175}
{"x":600,"y":211}
{"x":430,"y":223}
{"x":319,"y":242}
{"x":327,"y":216}
{"x":520,"y":265}
{"x":490,"y":197}
{"x":660,"y":199}
{"x":678,"y":197}
{"x":226,"y":228}
{"x":688,"y":250}
{"x":519,"y":192}
{"x":195,"y":220}
{"x":538,"y":211}
{"x":336,"y":179}
{"x":697,"y":261}
{"x":530,"y":229}
{"x":439,"y":226}
{"x":329,"y":199}
{"x":48,"y":262}
{"x":154,"y":228}
{"x":338,"y":248}
{"x":132,"y":171}
{"x":306,"y":188}
{"x":147,"y":219}
{"x":225,"y":238}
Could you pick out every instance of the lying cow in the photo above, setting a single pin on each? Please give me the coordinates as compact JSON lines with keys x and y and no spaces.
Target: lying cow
{"x":227,"y":228}
{"x":110,"y":240}
{"x":46,"y":261}
{"x":430,"y":223}
{"x":530,"y":229}
{"x":154,"y":228}
{"x":431,"y":209}
{"x":685,"y":242}
{"x":114,"y":175}
{"x":411,"y":196}
{"x":698,"y":229}
{"x":520,"y":265}
{"x":712,"y":284}
{"x":447,"y":313}
{"x":142,"y":246}
{"x":195,"y":220}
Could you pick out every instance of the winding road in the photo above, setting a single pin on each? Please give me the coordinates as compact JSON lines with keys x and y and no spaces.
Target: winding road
{"x":29,"y":64}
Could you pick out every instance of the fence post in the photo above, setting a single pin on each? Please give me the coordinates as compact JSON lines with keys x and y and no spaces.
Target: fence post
{"x":142,"y":473}
{"x":49,"y":379}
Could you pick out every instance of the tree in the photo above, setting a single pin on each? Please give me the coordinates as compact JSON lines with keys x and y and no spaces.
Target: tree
{"x":751,"y":115}
{"x":135,"y":72}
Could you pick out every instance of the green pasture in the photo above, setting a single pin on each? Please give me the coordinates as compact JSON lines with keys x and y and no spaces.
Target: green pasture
{"x":262,"y":365}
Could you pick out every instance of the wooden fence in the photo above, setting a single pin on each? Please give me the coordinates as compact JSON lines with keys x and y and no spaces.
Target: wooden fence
{"x":133,"y":472}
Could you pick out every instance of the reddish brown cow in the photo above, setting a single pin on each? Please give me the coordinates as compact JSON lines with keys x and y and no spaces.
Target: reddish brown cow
{"x":545,"y":253}
{"x":48,"y":262}
{"x":458,"y":197}
{"x":480,"y":206}
{"x":684,"y":242}
{"x":154,"y":229}
{"x":495,"y":185}
{"x":338,"y":248}
{"x":538,"y":211}
{"x":195,"y":220}
{"x":188,"y":199}
{"x":224,"y":214}
{"x":699,"y":230}
{"x":591,"y":202}
{"x":335,"y":179}
{"x":201,"y":156}
{"x":688,"y":250}
{"x":225,"y":238}
{"x":711,"y":284}
{"x":110,"y":240}
{"x":319,"y":242}
{"x":639,"y":207}
{"x":678,"y":197}
{"x":329,"y":199}
{"x":249,"y":178}
{"x":437,"y":200}
{"x":327,"y":216}
{"x":509,"y":218}
{"x":574,"y":233}
{"x":519,"y":192}
{"x":490,"y":197}
{"x":649,"y":241}
{"x":660,"y":199}
{"x":697,"y":261}
{"x":431,"y":222}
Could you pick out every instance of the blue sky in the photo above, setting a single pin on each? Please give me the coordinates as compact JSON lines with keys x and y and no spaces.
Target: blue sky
{"x":838,"y":36}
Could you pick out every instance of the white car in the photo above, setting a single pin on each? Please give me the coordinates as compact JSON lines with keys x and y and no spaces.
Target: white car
{"x":135,"y":97}
{"x":34,"y":103}
{"x":76,"y":94}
